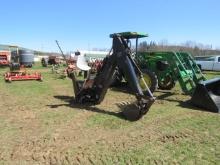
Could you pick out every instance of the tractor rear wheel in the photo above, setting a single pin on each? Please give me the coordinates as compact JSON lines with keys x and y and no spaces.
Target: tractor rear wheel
{"x":151,"y":80}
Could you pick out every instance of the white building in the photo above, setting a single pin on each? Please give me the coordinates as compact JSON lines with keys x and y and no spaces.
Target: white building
{"x":91,"y":55}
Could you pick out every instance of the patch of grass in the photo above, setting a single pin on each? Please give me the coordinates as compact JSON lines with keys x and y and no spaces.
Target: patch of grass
{"x":8,"y":132}
{"x":36,"y":124}
{"x":55,"y":117}
{"x":29,"y":89}
{"x":203,"y":122}
{"x":183,"y":151}
{"x":107,"y":121}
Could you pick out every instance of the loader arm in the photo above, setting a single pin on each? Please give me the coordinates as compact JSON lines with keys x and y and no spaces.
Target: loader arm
{"x":121,"y":57}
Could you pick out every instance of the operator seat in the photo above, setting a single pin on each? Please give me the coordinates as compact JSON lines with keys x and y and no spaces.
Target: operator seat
{"x":82,"y":64}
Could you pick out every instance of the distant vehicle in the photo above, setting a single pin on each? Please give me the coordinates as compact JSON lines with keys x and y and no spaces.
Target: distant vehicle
{"x":208,"y":62}
{"x":51,"y":60}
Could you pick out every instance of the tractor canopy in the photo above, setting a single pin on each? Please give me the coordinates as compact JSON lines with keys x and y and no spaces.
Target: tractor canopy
{"x":130,"y":35}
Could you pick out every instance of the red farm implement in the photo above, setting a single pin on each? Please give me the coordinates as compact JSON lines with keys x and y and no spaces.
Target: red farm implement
{"x":18,"y":73}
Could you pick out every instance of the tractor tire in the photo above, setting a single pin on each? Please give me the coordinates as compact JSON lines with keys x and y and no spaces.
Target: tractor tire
{"x":167,"y":84}
{"x":150,"y":79}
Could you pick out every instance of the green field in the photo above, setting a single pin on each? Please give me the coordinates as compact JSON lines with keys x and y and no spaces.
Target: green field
{"x":39,"y":124}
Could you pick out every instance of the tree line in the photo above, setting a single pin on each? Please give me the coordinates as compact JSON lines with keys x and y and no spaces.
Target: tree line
{"x":196,"y":49}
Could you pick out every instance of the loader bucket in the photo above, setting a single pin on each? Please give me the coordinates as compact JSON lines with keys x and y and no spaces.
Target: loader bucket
{"x":207,"y":95}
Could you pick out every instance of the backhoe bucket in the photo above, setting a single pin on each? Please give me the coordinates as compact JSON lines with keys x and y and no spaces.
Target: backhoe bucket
{"x":207,"y":95}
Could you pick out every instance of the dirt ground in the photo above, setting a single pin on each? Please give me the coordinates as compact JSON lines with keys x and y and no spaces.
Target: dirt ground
{"x":39,"y":124}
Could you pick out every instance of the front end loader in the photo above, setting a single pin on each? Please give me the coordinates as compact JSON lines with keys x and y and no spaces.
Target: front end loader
{"x":92,"y":90}
{"x":171,"y":67}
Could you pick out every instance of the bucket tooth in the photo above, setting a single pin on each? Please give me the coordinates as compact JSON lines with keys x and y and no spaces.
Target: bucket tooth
{"x":207,"y":95}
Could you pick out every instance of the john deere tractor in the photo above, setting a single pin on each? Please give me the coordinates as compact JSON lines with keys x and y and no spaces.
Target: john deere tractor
{"x":171,"y":67}
{"x":166,"y":68}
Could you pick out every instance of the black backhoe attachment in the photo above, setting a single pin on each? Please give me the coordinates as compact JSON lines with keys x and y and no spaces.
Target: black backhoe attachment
{"x":92,"y":91}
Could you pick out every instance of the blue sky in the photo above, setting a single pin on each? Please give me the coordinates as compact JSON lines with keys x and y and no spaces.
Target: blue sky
{"x":86,"y":24}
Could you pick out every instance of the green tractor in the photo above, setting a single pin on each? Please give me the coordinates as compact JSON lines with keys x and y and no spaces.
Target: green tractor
{"x":171,"y":67}
{"x":166,"y":68}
